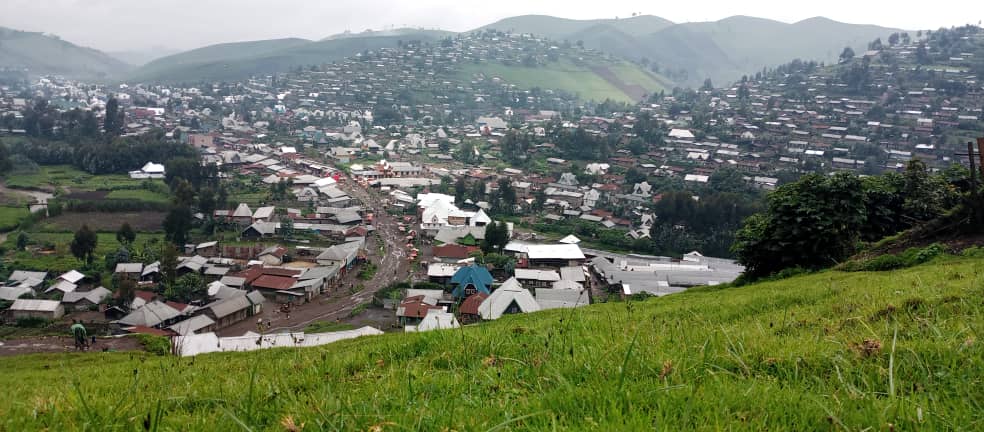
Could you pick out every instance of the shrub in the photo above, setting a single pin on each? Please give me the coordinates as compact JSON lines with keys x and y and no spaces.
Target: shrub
{"x":159,"y":345}
{"x":909,"y":258}
{"x":32,"y":322}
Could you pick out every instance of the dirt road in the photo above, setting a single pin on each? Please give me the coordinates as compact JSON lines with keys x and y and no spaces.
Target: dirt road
{"x":389,"y":255}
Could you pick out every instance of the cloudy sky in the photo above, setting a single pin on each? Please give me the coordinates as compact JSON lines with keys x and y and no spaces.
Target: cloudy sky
{"x":116,"y":25}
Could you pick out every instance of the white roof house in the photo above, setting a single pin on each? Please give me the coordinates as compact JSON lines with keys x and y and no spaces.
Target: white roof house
{"x":35,"y":305}
{"x":72,"y":276}
{"x":435,"y":319}
{"x":558,"y":251}
{"x":149,"y":171}
{"x":242,"y":211}
{"x":539,"y":275}
{"x":570,"y":239}
{"x":511,"y":297}
{"x":63,"y":286}
{"x":681,"y":134}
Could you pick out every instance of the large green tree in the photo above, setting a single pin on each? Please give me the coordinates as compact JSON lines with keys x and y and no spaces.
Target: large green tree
{"x":812,"y":223}
{"x":84,"y":244}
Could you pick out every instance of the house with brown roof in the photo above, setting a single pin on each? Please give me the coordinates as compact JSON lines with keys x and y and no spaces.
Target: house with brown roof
{"x":412,"y":310}
{"x":454,"y":251}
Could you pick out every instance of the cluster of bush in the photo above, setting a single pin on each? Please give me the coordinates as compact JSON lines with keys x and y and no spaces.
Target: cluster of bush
{"x":909,"y":258}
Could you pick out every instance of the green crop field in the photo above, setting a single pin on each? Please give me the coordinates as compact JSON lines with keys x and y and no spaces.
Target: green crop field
{"x":565,"y":76}
{"x":10,"y":217}
{"x":138,"y":195}
{"x":68,"y":176}
{"x":896,"y":350}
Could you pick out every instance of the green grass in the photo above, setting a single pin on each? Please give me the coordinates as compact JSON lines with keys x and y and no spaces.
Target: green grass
{"x":138,"y":195}
{"x":784,"y":355}
{"x":68,"y":176}
{"x":62,"y":260}
{"x":562,"y":75}
{"x":327,"y":326}
{"x":10,"y":217}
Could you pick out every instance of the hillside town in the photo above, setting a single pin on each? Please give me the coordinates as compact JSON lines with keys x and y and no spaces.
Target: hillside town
{"x":398,"y":182}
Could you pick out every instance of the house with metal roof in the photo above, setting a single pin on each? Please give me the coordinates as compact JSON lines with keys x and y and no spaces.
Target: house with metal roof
{"x":471,"y":279}
{"x":510,"y":298}
{"x":39,"y":309}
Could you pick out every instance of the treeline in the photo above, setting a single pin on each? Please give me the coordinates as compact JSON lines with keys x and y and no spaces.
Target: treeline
{"x":102,"y":156}
{"x":77,"y":137}
{"x":820,"y":221}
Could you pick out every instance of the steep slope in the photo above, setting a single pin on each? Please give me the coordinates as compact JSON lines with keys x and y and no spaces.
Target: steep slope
{"x":849,"y":351}
{"x":43,"y":54}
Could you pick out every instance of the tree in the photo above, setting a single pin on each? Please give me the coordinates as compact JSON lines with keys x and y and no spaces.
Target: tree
{"x":169,"y":264}
{"x":847,"y":55}
{"x":505,"y":196}
{"x":812,"y":223}
{"x":893,"y":39}
{"x":5,"y":165}
{"x":183,"y":193}
{"x":206,"y":202}
{"x":22,"y":241}
{"x":84,"y":244}
{"x":496,"y":237}
{"x":125,"y":235}
{"x":186,"y":288}
{"x":634,"y":176}
{"x":460,"y":189}
{"x":177,"y":224}
{"x":708,"y":85}
{"x":112,"y":123}
{"x":287,"y":228}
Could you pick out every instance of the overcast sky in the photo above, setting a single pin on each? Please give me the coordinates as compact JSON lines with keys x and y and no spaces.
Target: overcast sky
{"x":115,"y":25}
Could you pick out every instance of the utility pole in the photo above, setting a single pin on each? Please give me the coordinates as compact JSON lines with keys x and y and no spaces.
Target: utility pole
{"x":975,"y":204}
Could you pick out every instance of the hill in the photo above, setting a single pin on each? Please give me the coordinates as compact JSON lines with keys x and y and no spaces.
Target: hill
{"x":234,"y":61}
{"x":142,"y":57}
{"x":411,"y":32}
{"x":43,"y":54}
{"x":882,"y":351}
{"x":562,"y":28}
{"x":721,"y":50}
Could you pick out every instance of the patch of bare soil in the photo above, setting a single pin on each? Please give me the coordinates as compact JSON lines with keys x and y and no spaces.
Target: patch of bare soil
{"x":60,"y":344}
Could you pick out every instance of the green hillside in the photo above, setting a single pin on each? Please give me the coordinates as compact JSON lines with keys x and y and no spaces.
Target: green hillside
{"x":43,"y":54}
{"x":896,"y":350}
{"x":722,"y":50}
{"x":241,"y":60}
{"x":618,"y":81}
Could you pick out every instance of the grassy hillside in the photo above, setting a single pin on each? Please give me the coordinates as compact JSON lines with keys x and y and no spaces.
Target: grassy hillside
{"x":619,"y":81}
{"x":831,"y":351}
{"x":44,"y":54}
{"x":245,"y":59}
